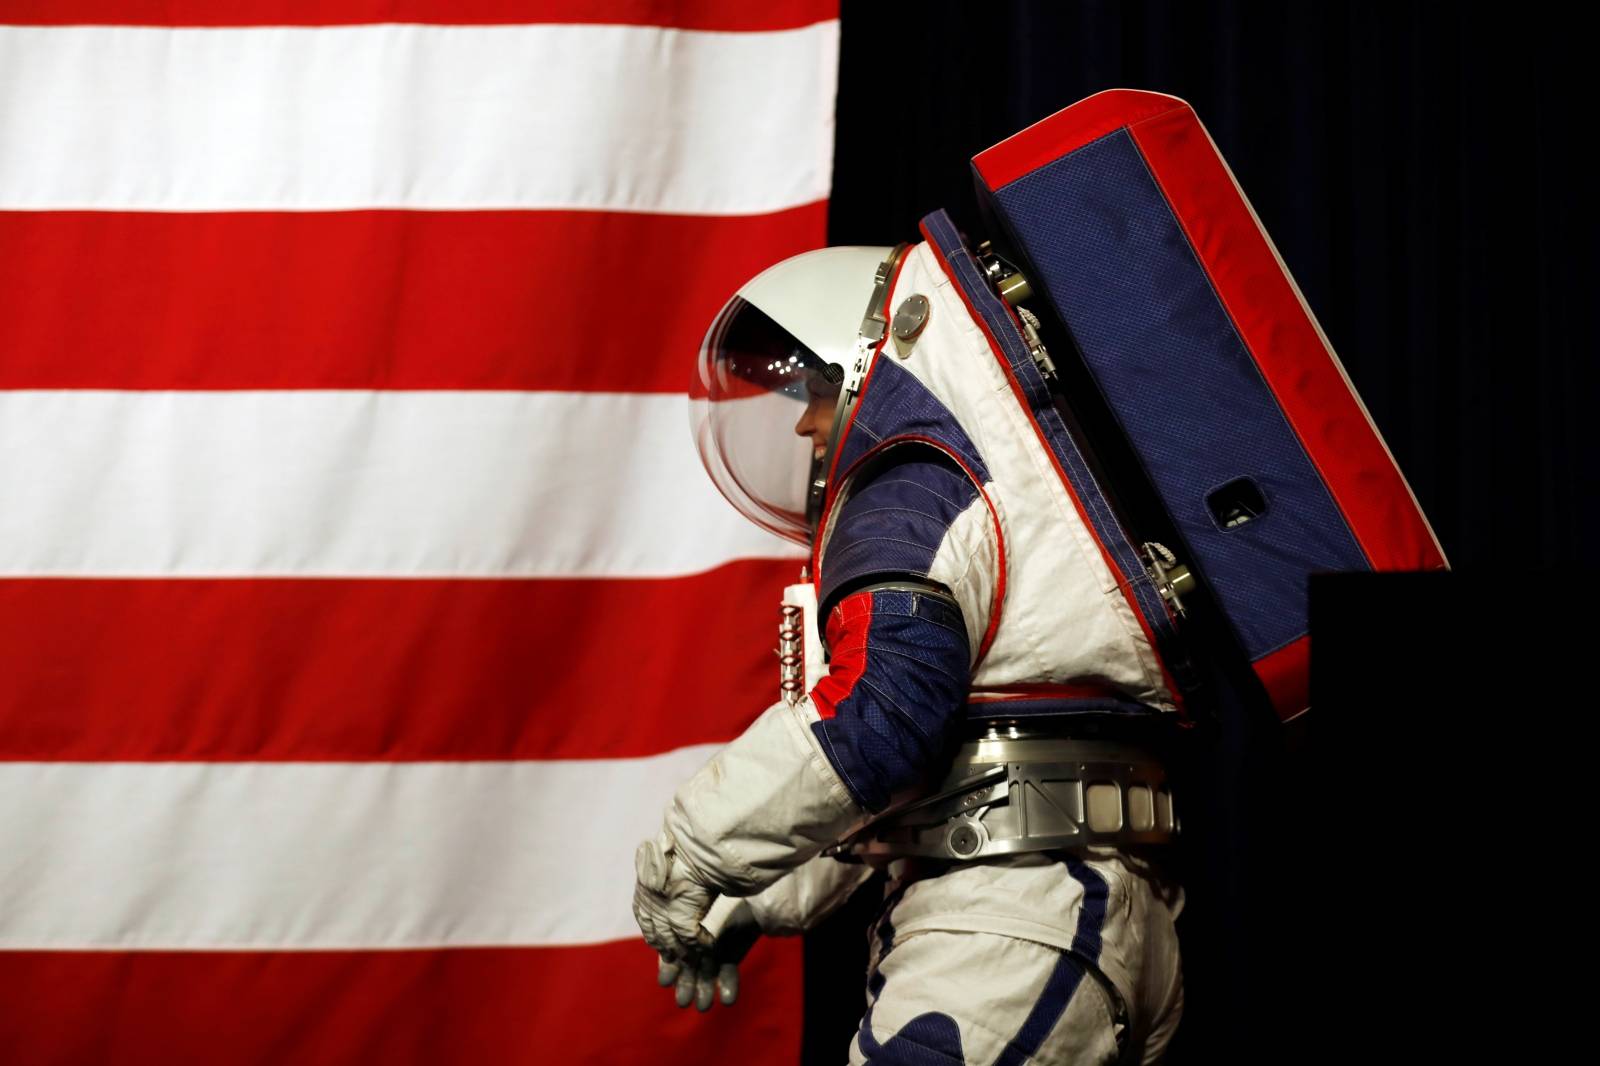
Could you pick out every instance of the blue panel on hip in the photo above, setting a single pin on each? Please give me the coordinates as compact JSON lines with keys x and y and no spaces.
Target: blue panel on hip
{"x":896,"y":404}
{"x":894,"y":523}
{"x":1102,"y":242}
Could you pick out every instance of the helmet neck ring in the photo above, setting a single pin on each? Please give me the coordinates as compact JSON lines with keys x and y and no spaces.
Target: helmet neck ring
{"x":874,"y":326}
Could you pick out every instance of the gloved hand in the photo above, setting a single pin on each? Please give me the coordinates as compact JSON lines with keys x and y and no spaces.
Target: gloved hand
{"x":668,"y":902}
{"x":717,"y":967}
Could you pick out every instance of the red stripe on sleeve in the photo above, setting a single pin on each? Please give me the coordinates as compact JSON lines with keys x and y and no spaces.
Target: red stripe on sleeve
{"x":547,"y":300}
{"x":849,"y":624}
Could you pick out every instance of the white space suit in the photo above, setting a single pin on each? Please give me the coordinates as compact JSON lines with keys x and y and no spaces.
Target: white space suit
{"x":961,"y":576}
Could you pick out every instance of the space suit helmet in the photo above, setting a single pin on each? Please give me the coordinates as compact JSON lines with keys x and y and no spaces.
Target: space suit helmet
{"x":786,"y":340}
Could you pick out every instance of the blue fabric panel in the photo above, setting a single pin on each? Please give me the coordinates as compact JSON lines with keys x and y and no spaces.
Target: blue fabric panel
{"x":894,"y":523}
{"x":1086,"y":940}
{"x":896,"y":404}
{"x":966,"y":274}
{"x":891,"y":731}
{"x":930,"y":1039}
{"x":1102,"y":241}
{"x":885,"y":932}
{"x":1047,"y":1011}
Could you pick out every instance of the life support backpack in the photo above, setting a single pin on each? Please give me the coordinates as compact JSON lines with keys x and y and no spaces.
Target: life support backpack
{"x":1129,"y":286}
{"x":1172,"y":378}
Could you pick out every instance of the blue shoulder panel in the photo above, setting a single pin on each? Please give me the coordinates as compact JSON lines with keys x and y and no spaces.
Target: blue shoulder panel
{"x":896,"y":404}
{"x":893,"y":523}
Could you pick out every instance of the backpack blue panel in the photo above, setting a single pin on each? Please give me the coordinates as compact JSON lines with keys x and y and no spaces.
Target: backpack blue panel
{"x":1102,"y":243}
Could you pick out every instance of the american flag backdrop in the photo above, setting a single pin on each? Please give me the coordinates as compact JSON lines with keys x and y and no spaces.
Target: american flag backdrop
{"x":362,"y":599}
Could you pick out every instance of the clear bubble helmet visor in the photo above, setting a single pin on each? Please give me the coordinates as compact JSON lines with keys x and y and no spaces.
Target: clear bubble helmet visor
{"x":769,"y":372}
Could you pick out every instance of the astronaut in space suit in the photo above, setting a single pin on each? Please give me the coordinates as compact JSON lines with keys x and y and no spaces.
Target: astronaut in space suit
{"x":969,"y":710}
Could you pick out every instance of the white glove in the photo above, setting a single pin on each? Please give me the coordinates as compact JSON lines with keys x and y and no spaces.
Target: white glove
{"x":668,"y":902}
{"x":717,"y":967}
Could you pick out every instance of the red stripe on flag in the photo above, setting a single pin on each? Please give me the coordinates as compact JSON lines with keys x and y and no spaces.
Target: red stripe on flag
{"x":1282,"y":339}
{"x":675,"y":14}
{"x":594,"y":1004}
{"x":385,"y":669}
{"x":547,"y":300}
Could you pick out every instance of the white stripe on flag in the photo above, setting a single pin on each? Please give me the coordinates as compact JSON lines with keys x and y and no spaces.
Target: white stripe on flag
{"x":622,"y":118}
{"x":359,"y":484}
{"x":326,"y":855}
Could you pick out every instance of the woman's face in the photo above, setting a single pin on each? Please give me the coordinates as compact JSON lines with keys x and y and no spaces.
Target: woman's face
{"x":816,"y":422}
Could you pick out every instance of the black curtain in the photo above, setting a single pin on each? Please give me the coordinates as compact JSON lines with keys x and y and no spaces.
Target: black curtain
{"x":1418,"y":167}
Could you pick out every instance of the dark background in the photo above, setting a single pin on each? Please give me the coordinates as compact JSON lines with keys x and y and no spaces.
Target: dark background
{"x":1417,"y":165}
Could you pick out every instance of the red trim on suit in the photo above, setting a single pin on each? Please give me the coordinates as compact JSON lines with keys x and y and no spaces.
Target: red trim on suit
{"x":849,"y":623}
{"x":1123,"y":581}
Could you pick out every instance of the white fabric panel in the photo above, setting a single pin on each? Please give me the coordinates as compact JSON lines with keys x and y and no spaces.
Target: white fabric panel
{"x":587,"y":117}
{"x":1034,"y":907}
{"x":326,"y":855}
{"x":358,"y":483}
{"x":1064,"y":618}
{"x":797,"y":902}
{"x":768,"y":801}
{"x":967,"y":563}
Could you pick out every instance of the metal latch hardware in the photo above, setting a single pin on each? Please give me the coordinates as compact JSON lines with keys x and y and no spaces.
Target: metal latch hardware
{"x":1013,"y":287}
{"x":1172,"y":579}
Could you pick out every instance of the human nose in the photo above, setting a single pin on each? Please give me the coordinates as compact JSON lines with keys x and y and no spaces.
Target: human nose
{"x":806,"y":425}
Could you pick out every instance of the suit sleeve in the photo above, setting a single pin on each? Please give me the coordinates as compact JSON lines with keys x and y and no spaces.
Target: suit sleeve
{"x":909,"y":578}
{"x":806,"y":895}
{"x":909,"y":575}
